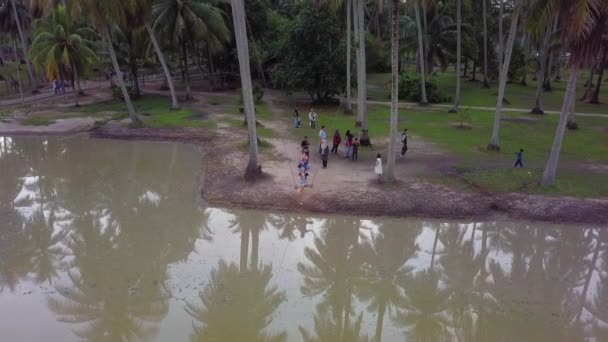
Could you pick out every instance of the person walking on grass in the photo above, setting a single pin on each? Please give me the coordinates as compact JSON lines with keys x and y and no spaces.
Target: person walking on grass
{"x":378,"y":168}
{"x":296,"y":117}
{"x":520,"y":158}
{"x":324,"y":154}
{"x":404,"y":142}
{"x":348,"y":144}
{"x":355,"y":149}
{"x":336,"y":142}
{"x":312,"y":118}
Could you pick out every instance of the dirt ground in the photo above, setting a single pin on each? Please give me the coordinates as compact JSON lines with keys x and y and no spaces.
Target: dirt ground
{"x":348,"y":187}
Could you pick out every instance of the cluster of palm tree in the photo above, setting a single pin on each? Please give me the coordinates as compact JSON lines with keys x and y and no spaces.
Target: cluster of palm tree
{"x":63,"y":45}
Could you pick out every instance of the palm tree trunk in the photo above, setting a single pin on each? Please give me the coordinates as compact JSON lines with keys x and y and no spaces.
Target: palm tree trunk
{"x":18,"y":71}
{"x":9,"y":76}
{"x":105,"y":35}
{"x":486,"y":83}
{"x":136,"y":90}
{"x":355,"y":14}
{"x":348,"y":107}
{"x":389,"y":175}
{"x":381,"y":313}
{"x":240,"y":31}
{"x":78,"y":85}
{"x":33,"y":82}
{"x":494,"y":142}
{"x":186,"y":70}
{"x":421,"y":59}
{"x":595,"y":97}
{"x":526,"y":47}
{"x":538,"y":105}
{"x":458,"y":56}
{"x":362,"y":87}
{"x":551,"y":167}
{"x":501,"y":41}
{"x":571,"y":124}
{"x":163,"y":63}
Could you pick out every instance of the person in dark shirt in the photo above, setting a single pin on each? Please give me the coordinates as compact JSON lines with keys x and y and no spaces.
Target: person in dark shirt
{"x":520,"y":158}
{"x":355,"y":149}
{"x":404,"y":142}
{"x":305,"y":146}
{"x":296,"y":117}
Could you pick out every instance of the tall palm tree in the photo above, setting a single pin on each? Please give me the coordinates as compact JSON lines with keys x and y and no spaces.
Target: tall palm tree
{"x":63,"y":49}
{"x":141,"y":16}
{"x":189,"y":21}
{"x":240,"y":31}
{"x":24,"y":48}
{"x":494,"y":141}
{"x":421,"y":55}
{"x":486,"y":83}
{"x":349,"y":43}
{"x":102,"y":14}
{"x":538,"y":106}
{"x":582,"y":26}
{"x":389,"y":175}
{"x":359,"y":12}
{"x":458,"y":55}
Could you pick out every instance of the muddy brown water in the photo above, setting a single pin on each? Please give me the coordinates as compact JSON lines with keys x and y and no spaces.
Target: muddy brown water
{"x":105,"y":241}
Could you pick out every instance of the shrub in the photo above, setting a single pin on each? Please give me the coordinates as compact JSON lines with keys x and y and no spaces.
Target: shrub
{"x":258,"y":94}
{"x":117,"y":93}
{"x":409,"y":89}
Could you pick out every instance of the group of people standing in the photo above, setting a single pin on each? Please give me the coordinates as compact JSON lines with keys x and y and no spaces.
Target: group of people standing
{"x":58,"y":86}
{"x":351,"y":147}
{"x":297,"y":120}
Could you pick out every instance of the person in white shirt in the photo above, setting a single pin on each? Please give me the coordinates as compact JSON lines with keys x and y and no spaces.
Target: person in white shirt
{"x":312,"y":118}
{"x":378,"y":168}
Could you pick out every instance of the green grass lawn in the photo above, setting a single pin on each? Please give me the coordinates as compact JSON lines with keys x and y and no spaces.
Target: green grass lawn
{"x":473,"y":94}
{"x":153,"y":110}
{"x":37,"y":121}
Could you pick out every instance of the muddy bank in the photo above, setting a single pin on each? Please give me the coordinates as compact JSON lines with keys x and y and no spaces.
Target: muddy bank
{"x":224,"y":186}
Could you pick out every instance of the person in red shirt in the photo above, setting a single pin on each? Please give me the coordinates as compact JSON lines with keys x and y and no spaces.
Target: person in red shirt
{"x":336,"y":141}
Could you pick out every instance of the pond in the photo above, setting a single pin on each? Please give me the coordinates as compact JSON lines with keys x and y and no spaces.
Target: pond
{"x":105,"y":240}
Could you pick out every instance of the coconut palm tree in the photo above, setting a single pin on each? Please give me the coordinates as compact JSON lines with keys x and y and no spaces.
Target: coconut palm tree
{"x":102,"y":14}
{"x":185,"y":22}
{"x":389,"y":175}
{"x":494,"y":141}
{"x":240,"y":31}
{"x":141,"y":16}
{"x":421,"y":55}
{"x":361,"y":65}
{"x":582,"y":25}
{"x":21,"y":30}
{"x":486,"y":83}
{"x":458,"y":55}
{"x":62,"y":49}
